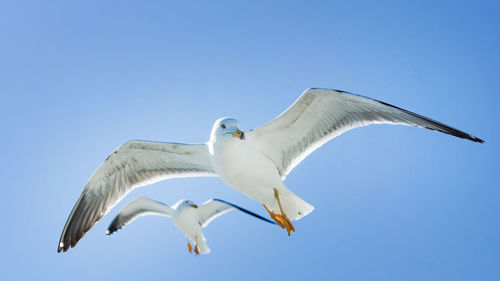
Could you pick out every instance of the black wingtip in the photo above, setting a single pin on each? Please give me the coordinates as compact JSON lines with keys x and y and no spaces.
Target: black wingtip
{"x":439,"y":126}
{"x":75,"y":227}
{"x":113,"y":226}
{"x":245,"y":211}
{"x":442,"y":127}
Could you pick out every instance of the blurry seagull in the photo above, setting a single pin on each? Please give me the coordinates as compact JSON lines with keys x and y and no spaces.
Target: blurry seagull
{"x":187,"y":216}
{"x":254,"y":162}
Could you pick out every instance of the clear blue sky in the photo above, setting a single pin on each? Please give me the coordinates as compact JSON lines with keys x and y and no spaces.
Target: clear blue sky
{"x":392,"y":203}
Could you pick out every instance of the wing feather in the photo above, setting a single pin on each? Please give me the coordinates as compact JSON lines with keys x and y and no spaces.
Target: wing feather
{"x":320,"y":115}
{"x":132,"y":165}
{"x":214,"y":208}
{"x":138,"y":208}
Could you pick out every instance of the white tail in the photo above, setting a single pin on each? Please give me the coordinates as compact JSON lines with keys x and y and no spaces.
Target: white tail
{"x":202,"y":245}
{"x":295,"y":207}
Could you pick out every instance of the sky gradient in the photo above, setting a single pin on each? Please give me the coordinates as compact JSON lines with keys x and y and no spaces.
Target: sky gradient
{"x":392,"y":203}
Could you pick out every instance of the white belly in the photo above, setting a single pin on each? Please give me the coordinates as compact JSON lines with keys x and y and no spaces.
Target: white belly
{"x":186,"y":221}
{"x":240,"y":165}
{"x":246,"y":169}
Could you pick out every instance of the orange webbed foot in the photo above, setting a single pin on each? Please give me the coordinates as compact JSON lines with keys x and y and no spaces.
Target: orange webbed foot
{"x":276,"y":217}
{"x":289,"y":226}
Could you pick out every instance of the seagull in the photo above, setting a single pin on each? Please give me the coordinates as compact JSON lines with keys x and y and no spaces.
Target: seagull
{"x":187,"y":216}
{"x":254,"y":162}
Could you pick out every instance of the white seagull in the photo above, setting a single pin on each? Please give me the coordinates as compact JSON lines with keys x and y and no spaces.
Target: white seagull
{"x":254,"y":163}
{"x":187,"y":216}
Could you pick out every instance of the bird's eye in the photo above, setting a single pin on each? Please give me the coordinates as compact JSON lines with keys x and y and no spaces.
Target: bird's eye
{"x":223,"y":126}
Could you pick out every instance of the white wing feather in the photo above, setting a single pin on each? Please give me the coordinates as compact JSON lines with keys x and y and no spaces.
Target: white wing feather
{"x":138,"y":208}
{"x":212,"y":209}
{"x":132,"y":165}
{"x":320,"y":115}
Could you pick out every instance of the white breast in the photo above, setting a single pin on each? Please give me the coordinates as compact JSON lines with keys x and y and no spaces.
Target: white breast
{"x":186,"y":220}
{"x":240,"y":165}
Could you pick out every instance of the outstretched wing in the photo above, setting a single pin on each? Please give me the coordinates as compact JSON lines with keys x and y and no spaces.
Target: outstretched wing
{"x":138,"y":208}
{"x":320,"y":115}
{"x":132,"y":165}
{"x":214,"y":208}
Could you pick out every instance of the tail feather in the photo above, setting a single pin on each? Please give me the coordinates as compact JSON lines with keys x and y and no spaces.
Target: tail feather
{"x":294,"y":207}
{"x":202,"y":245}
{"x":203,"y":248}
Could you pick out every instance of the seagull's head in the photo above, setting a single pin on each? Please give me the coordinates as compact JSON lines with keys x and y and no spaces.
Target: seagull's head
{"x":186,"y":203}
{"x":226,"y":127}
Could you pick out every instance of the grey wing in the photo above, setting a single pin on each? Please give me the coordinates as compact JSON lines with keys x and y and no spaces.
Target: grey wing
{"x":320,"y":115}
{"x":214,"y":208}
{"x":138,"y":208}
{"x":133,"y":164}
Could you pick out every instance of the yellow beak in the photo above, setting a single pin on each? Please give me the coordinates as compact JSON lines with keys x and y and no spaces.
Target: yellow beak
{"x":238,"y":134}
{"x":194,"y":206}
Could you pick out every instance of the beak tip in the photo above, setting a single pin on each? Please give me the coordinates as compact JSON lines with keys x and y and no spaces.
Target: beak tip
{"x":238,"y":134}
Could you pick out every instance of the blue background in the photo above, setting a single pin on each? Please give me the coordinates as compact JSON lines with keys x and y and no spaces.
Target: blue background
{"x":392,"y":203}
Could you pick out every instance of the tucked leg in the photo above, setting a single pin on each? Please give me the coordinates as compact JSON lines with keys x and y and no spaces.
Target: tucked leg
{"x":282,"y":220}
{"x":190,"y":248}
{"x":287,"y":222}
